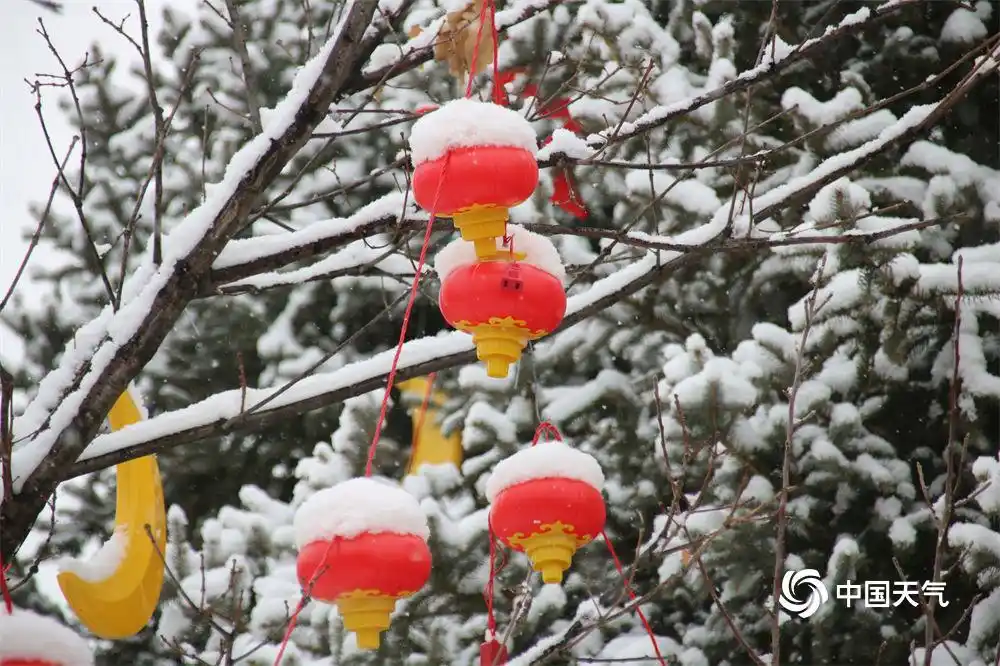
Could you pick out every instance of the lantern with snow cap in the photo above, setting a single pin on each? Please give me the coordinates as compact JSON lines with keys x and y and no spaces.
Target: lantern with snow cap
{"x":362,"y":547}
{"x":546,"y":502}
{"x":473,"y":161}
{"x":504,"y":302}
{"x":29,"y":639}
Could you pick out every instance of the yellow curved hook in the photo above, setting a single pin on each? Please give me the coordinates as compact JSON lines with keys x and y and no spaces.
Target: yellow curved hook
{"x":115,"y":592}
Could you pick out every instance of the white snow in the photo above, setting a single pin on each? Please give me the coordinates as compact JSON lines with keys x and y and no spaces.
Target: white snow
{"x":462,"y":123}
{"x":27,"y":635}
{"x":565,"y":142}
{"x":661,"y":114}
{"x":102,"y":564}
{"x":356,"y":506}
{"x":538,"y":251}
{"x":963,"y":27}
{"x":545,"y":460}
{"x":95,"y":345}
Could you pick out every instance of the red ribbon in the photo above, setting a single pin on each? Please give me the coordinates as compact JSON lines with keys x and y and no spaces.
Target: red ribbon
{"x":492,"y":653}
{"x":565,"y":193}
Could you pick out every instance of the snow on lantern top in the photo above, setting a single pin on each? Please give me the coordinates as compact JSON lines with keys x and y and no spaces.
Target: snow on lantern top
{"x":537,"y":249}
{"x":464,"y":123}
{"x":546,"y":460}
{"x":355,"y":507}
{"x":29,"y":636}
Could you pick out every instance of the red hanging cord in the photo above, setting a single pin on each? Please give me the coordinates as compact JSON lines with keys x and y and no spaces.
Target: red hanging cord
{"x":489,"y":7}
{"x":487,"y":4}
{"x":7,"y":600}
{"x":491,"y":620}
{"x":497,"y":95}
{"x":550,"y":431}
{"x":632,"y":596}
{"x":406,"y":322}
{"x":492,"y":652}
{"x":390,"y":381}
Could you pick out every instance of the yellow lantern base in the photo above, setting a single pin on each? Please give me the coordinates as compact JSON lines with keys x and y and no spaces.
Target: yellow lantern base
{"x":366,"y":614}
{"x":482,"y":225}
{"x":551,"y":549}
{"x":499,"y":342}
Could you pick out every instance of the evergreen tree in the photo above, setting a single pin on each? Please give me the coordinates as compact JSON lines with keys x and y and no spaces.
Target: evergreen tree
{"x":798,"y":387}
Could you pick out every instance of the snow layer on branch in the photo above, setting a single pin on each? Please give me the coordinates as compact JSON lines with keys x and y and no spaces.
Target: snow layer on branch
{"x":27,"y":635}
{"x":538,"y":251}
{"x":463,"y":123}
{"x":357,"y":506}
{"x":230,"y":404}
{"x":360,"y":253}
{"x":566,"y":143}
{"x":545,"y":460}
{"x":101,"y":564}
{"x":391,"y":206}
{"x":96,"y":344}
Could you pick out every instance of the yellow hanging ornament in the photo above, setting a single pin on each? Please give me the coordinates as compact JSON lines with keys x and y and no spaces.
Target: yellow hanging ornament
{"x":430,"y":445}
{"x":115,"y":592}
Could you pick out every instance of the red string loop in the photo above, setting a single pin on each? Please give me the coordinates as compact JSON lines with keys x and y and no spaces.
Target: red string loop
{"x":547,"y":429}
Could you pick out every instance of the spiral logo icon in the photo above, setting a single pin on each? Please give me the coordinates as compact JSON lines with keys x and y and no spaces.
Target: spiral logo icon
{"x":806,"y":581}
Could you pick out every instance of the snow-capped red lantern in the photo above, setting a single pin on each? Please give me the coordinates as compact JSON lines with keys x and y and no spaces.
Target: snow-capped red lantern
{"x":504,"y":302}
{"x":473,"y":161}
{"x":29,"y":639}
{"x":362,"y":546}
{"x":546,"y":502}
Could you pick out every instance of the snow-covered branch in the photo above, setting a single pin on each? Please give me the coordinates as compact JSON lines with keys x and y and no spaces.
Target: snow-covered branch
{"x":221,"y":414}
{"x":106,"y":354}
{"x":778,"y":57}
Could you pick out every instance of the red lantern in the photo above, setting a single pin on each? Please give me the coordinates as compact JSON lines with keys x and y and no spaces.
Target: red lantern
{"x":545,"y":513}
{"x":364,"y":572}
{"x":503,"y":304}
{"x":474,"y":183}
{"x":29,"y":639}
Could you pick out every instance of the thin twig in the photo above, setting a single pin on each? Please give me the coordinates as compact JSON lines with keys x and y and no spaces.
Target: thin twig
{"x":76,"y":193}
{"x":791,"y":425}
{"x":43,"y":218}
{"x":240,"y":46}
{"x":160,"y":131}
{"x":951,"y":474}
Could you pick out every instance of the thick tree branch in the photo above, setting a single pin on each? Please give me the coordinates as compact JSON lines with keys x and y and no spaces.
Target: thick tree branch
{"x":220,"y":414}
{"x":74,"y":399}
